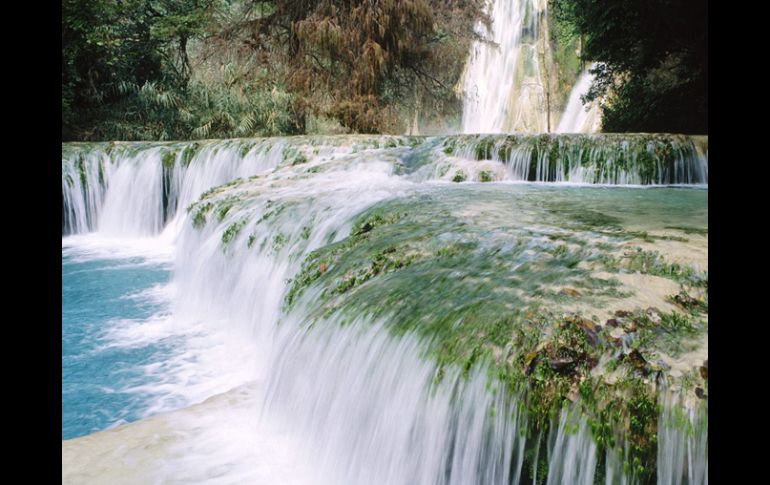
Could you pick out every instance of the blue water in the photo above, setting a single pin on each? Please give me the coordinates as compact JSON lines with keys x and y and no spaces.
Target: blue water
{"x":97,"y":377}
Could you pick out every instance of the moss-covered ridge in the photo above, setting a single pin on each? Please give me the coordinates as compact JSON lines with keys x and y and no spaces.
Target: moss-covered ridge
{"x":515,"y":279}
{"x":91,"y":163}
{"x":596,"y":158}
{"x":627,"y":158}
{"x":501,"y":294}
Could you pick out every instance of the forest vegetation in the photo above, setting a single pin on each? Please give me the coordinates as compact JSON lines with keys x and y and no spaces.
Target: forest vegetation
{"x":190,"y":69}
{"x":181,"y":69}
{"x":652,"y":55}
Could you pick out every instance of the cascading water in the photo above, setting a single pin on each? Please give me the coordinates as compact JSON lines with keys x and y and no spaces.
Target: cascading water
{"x":99,"y":184}
{"x":573,"y":454}
{"x":323,"y":399}
{"x":503,"y":86}
{"x":167,"y":177}
{"x":589,"y":159}
{"x":683,"y":441}
{"x":578,"y":118}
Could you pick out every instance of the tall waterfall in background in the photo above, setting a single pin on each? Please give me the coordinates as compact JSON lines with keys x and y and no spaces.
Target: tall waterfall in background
{"x":503,"y":86}
{"x":578,"y":118}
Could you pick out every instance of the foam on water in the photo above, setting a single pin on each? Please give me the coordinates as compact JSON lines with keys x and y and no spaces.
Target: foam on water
{"x":305,"y":401}
{"x":95,"y":246}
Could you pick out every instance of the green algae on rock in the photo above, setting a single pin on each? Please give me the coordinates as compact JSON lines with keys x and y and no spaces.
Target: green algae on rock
{"x":451,"y":279}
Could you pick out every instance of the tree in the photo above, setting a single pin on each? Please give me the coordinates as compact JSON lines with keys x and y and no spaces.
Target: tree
{"x":653,"y":61}
{"x":353,"y":60}
{"x":111,"y":49}
{"x":344,"y":50}
{"x":177,"y":69}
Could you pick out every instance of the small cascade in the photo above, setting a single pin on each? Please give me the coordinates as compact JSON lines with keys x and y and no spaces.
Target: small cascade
{"x":572,"y":456}
{"x":83,"y":189}
{"x":121,"y":214}
{"x":614,"y":470}
{"x":628,"y":159}
{"x":101,"y":183}
{"x":578,"y":118}
{"x":380,"y":419}
{"x":503,"y":83}
{"x":357,"y":402}
{"x":682,"y":441}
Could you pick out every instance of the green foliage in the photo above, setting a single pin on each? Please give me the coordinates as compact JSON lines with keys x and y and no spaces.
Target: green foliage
{"x":567,"y":66}
{"x":113,"y":51}
{"x":293,"y":156}
{"x":200,"y":214}
{"x":177,"y":69}
{"x":651,"y":262}
{"x":127,"y":75}
{"x":279,"y":240}
{"x":168,"y":159}
{"x":459,"y":176}
{"x":232,"y":231}
{"x":653,"y":57}
{"x":483,"y":149}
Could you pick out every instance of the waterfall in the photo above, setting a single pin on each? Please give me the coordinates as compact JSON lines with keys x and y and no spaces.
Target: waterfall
{"x":137,"y":190}
{"x":682,"y":441}
{"x":502,"y":85}
{"x":578,"y":118}
{"x":357,"y":404}
{"x":83,"y":187}
{"x":628,"y":159}
{"x":364,"y":404}
{"x":573,"y":453}
{"x":134,"y":190}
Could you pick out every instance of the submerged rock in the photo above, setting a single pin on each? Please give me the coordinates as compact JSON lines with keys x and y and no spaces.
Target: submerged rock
{"x":637,"y":362}
{"x":704,"y":370}
{"x":563,"y":364}
{"x":654,"y":315}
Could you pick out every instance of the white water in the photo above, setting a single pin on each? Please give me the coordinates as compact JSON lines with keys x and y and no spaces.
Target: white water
{"x":578,"y":118}
{"x":682,"y":442}
{"x":572,"y":456}
{"x":133,"y":205}
{"x":502,"y":86}
{"x":611,"y":161}
{"x":354,"y":404}
{"x":321,"y":404}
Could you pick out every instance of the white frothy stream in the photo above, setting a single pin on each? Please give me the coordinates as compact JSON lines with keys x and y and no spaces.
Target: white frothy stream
{"x":326,"y":404}
{"x":578,"y":118}
{"x":502,"y":85}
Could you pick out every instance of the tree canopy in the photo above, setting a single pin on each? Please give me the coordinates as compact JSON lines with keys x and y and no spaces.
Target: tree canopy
{"x":180,"y":69}
{"x":652,"y":61}
{"x":162,"y":69}
{"x":112,"y":50}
